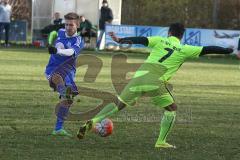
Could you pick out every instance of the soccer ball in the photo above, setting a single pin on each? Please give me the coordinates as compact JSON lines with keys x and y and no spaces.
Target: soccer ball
{"x":104,"y":128}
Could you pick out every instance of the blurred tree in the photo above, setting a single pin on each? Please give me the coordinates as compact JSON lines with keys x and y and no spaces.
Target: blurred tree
{"x":215,"y":12}
{"x":21,"y":10}
{"x":193,"y":13}
{"x":229,"y":14}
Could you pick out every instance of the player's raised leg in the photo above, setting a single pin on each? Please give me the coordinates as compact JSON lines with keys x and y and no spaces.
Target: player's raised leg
{"x":126,"y":98}
{"x":107,"y":111}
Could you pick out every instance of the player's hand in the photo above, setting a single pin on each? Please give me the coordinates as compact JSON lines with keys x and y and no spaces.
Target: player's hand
{"x":114,"y":37}
{"x":52,"y":50}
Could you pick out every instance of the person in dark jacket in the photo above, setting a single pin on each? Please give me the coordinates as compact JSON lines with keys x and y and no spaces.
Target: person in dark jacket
{"x":57,"y":20}
{"x":106,"y":17}
{"x":86,"y":28}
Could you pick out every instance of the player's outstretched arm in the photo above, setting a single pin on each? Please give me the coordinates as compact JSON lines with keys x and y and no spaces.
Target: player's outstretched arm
{"x":215,"y":50}
{"x":129,"y":40}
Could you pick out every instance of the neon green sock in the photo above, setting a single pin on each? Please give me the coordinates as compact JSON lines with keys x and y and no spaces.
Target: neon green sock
{"x":166,"y":125}
{"x":108,"y":110}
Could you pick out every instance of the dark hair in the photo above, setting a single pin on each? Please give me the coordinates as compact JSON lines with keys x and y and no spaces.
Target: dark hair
{"x":71,"y":16}
{"x":104,"y":1}
{"x":177,"y":30}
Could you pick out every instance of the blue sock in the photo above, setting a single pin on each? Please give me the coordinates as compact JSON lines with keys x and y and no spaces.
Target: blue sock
{"x":62,"y":114}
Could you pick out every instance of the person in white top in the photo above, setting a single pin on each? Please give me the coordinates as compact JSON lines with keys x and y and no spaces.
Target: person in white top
{"x":5,"y":19}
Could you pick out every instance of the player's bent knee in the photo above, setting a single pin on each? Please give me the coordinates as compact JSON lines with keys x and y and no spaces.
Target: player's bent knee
{"x":56,"y":78}
{"x":172,"y":107}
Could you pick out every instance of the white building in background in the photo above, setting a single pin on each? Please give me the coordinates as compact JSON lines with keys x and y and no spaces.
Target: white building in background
{"x":43,"y":10}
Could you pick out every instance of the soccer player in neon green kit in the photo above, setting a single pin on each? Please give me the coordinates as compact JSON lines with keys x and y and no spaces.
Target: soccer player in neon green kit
{"x":168,"y":53}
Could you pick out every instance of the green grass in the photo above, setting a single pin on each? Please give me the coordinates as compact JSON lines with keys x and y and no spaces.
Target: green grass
{"x":207,"y":92}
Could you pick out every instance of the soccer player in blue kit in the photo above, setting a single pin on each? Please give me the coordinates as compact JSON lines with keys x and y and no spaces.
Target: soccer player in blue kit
{"x":61,"y":68}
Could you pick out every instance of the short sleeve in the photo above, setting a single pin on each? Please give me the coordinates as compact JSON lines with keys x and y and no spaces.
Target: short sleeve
{"x":152,"y":41}
{"x":192,"y":51}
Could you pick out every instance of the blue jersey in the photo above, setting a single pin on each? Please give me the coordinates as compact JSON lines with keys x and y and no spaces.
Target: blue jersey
{"x":65,"y":64}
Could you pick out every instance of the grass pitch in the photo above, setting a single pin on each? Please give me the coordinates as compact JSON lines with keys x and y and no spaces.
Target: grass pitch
{"x":207,"y":92}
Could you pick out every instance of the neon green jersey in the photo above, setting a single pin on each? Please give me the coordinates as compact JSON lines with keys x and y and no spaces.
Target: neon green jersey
{"x":170,"y":53}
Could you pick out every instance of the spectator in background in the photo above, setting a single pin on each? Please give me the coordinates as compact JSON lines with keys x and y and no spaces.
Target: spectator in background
{"x":57,"y":20}
{"x":86,"y":29}
{"x":5,"y":19}
{"x":52,"y":28}
{"x":106,"y":17}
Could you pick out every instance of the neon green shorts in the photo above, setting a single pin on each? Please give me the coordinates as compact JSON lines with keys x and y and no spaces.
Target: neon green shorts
{"x":160,"y":95}
{"x":163,"y":100}
{"x":147,"y":82}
